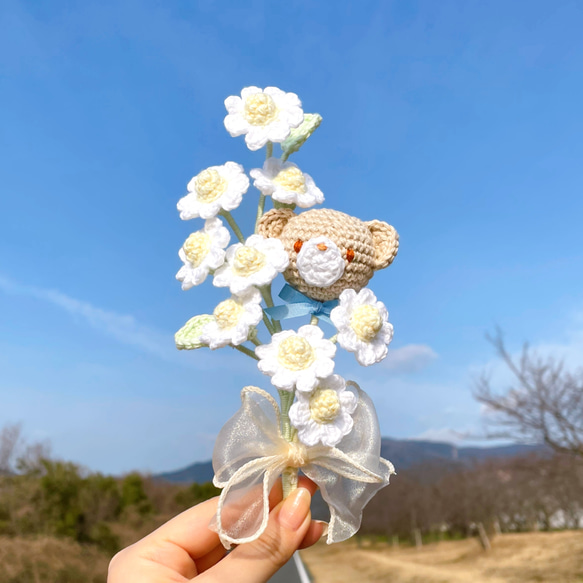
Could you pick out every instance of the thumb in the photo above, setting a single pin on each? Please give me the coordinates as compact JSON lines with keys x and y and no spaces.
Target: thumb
{"x":257,"y":561}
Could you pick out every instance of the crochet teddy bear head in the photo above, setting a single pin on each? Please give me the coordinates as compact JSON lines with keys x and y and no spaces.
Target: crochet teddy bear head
{"x":330,"y":251}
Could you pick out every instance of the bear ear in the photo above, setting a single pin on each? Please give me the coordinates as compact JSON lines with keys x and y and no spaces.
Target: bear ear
{"x":272,"y":222}
{"x":386,"y":243}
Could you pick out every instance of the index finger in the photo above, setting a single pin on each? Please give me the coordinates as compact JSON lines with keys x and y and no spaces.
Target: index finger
{"x":189,"y":530}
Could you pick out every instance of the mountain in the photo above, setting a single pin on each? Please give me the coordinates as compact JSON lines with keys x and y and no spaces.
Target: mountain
{"x":403,"y":453}
{"x":406,"y":453}
{"x":198,"y":472}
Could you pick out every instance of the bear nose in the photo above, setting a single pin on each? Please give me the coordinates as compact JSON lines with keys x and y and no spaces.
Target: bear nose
{"x":322,"y":246}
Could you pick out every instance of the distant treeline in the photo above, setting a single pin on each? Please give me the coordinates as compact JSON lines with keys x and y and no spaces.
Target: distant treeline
{"x":58,"y":498}
{"x":437,"y":500}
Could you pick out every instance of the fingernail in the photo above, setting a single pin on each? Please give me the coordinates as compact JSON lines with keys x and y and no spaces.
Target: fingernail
{"x":295,"y":509}
{"x":324,"y":527}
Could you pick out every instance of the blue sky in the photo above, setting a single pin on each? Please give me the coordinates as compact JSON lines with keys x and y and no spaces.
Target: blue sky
{"x":459,"y":123}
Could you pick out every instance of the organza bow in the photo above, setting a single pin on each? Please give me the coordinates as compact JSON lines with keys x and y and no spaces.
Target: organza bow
{"x":250,"y":454}
{"x":299,"y":304}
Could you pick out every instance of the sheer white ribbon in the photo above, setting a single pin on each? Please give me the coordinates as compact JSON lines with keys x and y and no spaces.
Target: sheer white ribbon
{"x":250,"y":454}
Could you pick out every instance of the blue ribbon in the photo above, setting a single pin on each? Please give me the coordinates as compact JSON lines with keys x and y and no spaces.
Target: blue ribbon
{"x":299,"y":304}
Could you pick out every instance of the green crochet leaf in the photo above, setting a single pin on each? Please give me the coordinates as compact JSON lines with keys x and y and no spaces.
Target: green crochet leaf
{"x":299,"y":135}
{"x":188,"y":337}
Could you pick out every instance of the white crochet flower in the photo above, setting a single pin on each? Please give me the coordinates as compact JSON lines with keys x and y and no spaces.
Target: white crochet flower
{"x":232,"y":320}
{"x":201,"y":252}
{"x":297,"y":359}
{"x":286,"y":183}
{"x":324,"y":415}
{"x":212,"y":190}
{"x":263,"y":115}
{"x":256,"y":263}
{"x":363,"y":326}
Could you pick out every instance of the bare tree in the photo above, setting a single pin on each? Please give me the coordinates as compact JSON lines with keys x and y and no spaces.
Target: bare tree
{"x":543,"y":405}
{"x":10,"y":444}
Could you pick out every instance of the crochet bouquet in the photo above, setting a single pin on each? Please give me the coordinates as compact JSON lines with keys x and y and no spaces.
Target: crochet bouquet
{"x":324,"y":425}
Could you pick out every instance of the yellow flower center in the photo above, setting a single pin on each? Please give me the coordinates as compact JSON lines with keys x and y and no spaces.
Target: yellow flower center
{"x":366,"y":322}
{"x":291,"y":179}
{"x":324,"y":405}
{"x":296,"y":353}
{"x":228,"y":313}
{"x":196,"y":247}
{"x":209,"y":185}
{"x":259,"y":109}
{"x":248,"y":260}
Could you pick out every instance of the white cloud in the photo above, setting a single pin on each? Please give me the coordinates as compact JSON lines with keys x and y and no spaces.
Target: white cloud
{"x":122,"y":327}
{"x":410,"y":358}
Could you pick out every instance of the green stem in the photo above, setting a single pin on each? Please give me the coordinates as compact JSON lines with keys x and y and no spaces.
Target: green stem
{"x":287,"y":398}
{"x":314,"y":321}
{"x":289,"y":480}
{"x":260,"y":210}
{"x":284,"y":156}
{"x":289,"y":476}
{"x":246,"y":351}
{"x":255,"y":341}
{"x":233,"y":224}
{"x":334,"y":338}
{"x":266,"y":294}
{"x":261,"y":205}
{"x":268,"y":325}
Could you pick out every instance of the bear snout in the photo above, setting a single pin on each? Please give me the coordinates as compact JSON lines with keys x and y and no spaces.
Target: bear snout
{"x":319,"y":262}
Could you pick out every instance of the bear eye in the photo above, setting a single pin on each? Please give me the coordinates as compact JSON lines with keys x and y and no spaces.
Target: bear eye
{"x":298,"y":245}
{"x":349,"y":255}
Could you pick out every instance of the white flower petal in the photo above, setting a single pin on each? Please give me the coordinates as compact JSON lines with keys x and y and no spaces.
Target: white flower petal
{"x":367,"y":350}
{"x":267,"y":366}
{"x":314,"y":430}
{"x":366,"y":296}
{"x":275,"y":92}
{"x":348,"y":340}
{"x":312,"y":333}
{"x":222,"y":277}
{"x":232,"y":170}
{"x":282,"y":379}
{"x":294,"y":116}
{"x":231,"y":324}
{"x":324,"y":367}
{"x":291,"y":100}
{"x":247,"y":91}
{"x":288,"y":114}
{"x":285,"y":196}
{"x":240,"y":335}
{"x":234,"y":183}
{"x":236,"y":125}
{"x":306,"y":381}
{"x":278,"y":131}
{"x":319,"y":365}
{"x":233,"y":104}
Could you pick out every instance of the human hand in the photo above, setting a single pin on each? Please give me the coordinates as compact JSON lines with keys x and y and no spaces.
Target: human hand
{"x":185,"y":548}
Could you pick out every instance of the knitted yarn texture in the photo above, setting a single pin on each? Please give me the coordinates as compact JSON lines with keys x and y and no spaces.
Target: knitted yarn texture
{"x":363,"y":247}
{"x":324,"y":424}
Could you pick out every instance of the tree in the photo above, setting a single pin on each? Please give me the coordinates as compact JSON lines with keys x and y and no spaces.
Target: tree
{"x":10,"y":443}
{"x":195,"y":494}
{"x":543,"y":405}
{"x":134,"y":495}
